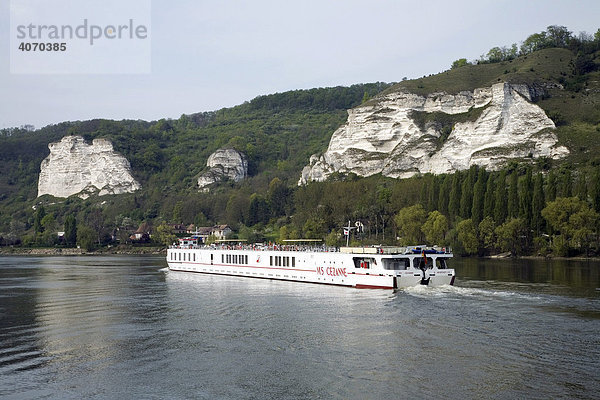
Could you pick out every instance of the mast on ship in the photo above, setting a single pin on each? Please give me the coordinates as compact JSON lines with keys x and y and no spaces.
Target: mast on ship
{"x":347,"y":230}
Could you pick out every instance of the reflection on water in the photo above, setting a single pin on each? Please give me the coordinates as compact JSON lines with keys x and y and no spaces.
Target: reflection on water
{"x":569,"y":277}
{"x":123,"y":327}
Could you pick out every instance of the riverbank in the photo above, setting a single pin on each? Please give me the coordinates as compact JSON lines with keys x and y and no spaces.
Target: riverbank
{"x":128,"y":249}
{"x":55,"y":251}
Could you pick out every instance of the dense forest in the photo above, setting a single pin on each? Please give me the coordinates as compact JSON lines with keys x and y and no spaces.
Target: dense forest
{"x":532,"y":206}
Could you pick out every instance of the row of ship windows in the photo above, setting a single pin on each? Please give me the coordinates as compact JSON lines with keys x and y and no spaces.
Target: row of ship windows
{"x":280,"y":261}
{"x":186,"y":257}
{"x":234,"y":259}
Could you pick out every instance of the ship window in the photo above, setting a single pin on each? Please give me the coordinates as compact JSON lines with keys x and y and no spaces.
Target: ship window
{"x":285,"y":260}
{"x":246,"y":259}
{"x":396,"y":263}
{"x":271,"y":260}
{"x":235,"y":259}
{"x":419,"y":262}
{"x":293,"y":261}
{"x":222,"y":258}
{"x":442,"y":263}
{"x":194,"y":256}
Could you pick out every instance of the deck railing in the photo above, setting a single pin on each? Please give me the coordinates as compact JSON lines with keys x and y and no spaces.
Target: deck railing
{"x":319,"y":249}
{"x":259,"y":247}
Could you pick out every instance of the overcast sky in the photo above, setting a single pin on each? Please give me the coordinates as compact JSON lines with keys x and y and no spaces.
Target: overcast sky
{"x":209,"y":54}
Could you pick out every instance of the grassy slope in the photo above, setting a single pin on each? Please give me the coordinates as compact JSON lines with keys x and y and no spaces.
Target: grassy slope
{"x":546,"y":65}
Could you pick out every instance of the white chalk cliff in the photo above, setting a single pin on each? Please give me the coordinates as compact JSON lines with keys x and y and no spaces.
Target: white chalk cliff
{"x":383,"y":138}
{"x":75,"y":167}
{"x":224,"y":164}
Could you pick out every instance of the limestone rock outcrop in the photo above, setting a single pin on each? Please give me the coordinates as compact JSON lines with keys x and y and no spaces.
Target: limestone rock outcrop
{"x":75,"y":167}
{"x":224,"y":164}
{"x":385,"y":137}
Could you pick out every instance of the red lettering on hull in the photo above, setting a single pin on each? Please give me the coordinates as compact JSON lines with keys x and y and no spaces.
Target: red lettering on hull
{"x":332,"y":271}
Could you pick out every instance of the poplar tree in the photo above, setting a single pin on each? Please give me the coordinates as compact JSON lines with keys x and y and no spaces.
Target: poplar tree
{"x":70,"y":230}
{"x":537,"y":204}
{"x":513,"y":195}
{"x":423,"y":194}
{"x":525,"y":197}
{"x":566,"y":184}
{"x":466,"y":196}
{"x":478,"y":197}
{"x":500,"y":206}
{"x":581,"y":187}
{"x":434,"y":192}
{"x":551,"y":189}
{"x":444,"y":196}
{"x":488,"y":201}
{"x":454,"y":203}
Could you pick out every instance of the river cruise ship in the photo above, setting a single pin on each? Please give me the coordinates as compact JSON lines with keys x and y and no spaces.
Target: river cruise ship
{"x":376,"y":267}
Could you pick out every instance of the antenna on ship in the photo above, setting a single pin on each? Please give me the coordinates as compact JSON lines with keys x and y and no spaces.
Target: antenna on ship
{"x":347,"y":230}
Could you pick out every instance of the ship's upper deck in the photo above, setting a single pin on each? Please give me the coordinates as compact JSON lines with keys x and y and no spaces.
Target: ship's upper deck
{"x":366,"y":250}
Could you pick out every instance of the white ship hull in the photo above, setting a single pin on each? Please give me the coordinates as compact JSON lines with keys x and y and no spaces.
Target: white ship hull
{"x":377,"y":271}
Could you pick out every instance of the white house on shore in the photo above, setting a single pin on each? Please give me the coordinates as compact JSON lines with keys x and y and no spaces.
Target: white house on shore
{"x":218,"y":231}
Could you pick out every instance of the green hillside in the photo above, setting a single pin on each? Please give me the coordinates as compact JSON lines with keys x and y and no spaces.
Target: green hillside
{"x":279,"y":132}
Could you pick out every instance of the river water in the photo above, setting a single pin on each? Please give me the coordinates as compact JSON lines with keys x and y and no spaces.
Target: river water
{"x":123,"y":327}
